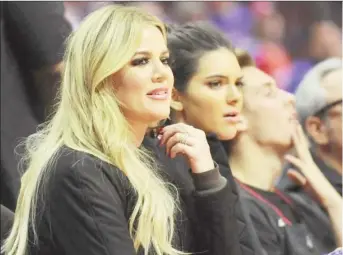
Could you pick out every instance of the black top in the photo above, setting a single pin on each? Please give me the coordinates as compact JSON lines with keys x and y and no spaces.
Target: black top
{"x":248,"y":239}
{"x":300,"y":236}
{"x":88,"y":205}
{"x":310,"y":232}
{"x":279,"y":202}
{"x":32,"y":36}
{"x":36,"y":32}
{"x":7,"y":217}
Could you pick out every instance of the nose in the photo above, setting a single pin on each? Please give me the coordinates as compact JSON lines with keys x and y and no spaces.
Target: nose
{"x":290,"y":98}
{"x":159,"y":72}
{"x":233,"y":95}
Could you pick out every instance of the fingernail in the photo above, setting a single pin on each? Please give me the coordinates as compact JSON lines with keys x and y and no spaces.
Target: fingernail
{"x":159,"y":137}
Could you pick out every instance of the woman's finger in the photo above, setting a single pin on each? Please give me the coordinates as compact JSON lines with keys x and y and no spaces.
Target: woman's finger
{"x":166,"y":135}
{"x":180,"y":148}
{"x":170,"y":130}
{"x":178,"y":138}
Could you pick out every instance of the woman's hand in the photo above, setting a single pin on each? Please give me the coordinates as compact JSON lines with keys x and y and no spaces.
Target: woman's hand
{"x":313,"y":180}
{"x":189,"y":141}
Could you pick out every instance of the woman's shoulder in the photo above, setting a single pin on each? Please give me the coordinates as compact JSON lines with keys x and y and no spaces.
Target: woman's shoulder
{"x":70,"y":161}
{"x":72,"y":168}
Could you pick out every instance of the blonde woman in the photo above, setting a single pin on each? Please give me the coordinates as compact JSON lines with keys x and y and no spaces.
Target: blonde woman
{"x":90,"y":187}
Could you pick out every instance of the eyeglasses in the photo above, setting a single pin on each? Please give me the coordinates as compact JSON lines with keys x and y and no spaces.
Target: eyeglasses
{"x":323,"y":110}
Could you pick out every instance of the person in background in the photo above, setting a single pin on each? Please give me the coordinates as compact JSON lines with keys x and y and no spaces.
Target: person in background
{"x":319,"y":107}
{"x":323,"y":40}
{"x":285,"y":223}
{"x":32,"y":38}
{"x":207,"y":95}
{"x":90,"y":186}
{"x":6,"y":217}
{"x":36,"y":33}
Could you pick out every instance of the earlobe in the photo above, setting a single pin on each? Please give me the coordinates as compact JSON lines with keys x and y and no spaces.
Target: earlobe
{"x":176,"y":106}
{"x":176,"y":103}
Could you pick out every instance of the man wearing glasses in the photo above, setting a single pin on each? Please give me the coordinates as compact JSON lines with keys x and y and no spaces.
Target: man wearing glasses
{"x":319,"y":107}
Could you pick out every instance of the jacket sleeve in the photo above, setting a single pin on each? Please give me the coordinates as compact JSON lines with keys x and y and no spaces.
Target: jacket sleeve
{"x":87,"y":214}
{"x":215,"y":225}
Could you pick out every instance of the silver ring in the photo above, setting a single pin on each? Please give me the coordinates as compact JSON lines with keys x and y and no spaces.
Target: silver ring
{"x":183,"y":139}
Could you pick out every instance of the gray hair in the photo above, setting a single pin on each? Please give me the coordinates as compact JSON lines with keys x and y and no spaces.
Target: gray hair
{"x":310,"y":95}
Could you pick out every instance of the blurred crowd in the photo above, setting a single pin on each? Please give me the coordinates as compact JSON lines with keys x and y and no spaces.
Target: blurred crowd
{"x":286,"y":39}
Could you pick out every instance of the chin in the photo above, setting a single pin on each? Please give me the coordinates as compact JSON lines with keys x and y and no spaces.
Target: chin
{"x":285,"y":146}
{"x":227,"y":134}
{"x":157,"y":116}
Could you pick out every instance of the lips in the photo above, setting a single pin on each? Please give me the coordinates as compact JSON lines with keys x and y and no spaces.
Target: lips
{"x":232,"y":116}
{"x":159,"y":93}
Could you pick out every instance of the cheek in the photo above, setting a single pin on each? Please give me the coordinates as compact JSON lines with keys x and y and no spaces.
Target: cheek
{"x":336,"y":129}
{"x":131,"y":85}
{"x":203,"y":105}
{"x":135,"y":81}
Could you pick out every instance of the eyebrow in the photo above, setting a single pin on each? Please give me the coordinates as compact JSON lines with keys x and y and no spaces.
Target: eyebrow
{"x":149,"y":53}
{"x":221,"y":77}
{"x":268,"y":84}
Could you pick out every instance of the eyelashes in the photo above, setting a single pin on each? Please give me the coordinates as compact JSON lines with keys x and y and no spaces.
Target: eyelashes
{"x":144,"y":60}
{"x":240,"y":83}
{"x":139,"y":61}
{"x":217,"y":84}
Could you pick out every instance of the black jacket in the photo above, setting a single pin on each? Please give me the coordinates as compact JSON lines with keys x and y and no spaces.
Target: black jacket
{"x":88,"y":204}
{"x":17,"y":121}
{"x":36,"y":34}
{"x":311,"y":235}
{"x":32,"y":37}
{"x":301,"y":238}
{"x":7,"y":217}
{"x":248,"y":238}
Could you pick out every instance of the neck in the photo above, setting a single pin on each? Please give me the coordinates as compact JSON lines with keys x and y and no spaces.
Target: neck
{"x":255,"y":165}
{"x":330,"y":159}
{"x":138,"y":129}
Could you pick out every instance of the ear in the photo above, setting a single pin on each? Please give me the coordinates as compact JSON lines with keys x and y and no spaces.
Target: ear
{"x":176,"y":103}
{"x":316,"y":129}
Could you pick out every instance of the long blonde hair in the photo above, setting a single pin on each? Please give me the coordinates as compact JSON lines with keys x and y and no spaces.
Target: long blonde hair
{"x":88,"y":119}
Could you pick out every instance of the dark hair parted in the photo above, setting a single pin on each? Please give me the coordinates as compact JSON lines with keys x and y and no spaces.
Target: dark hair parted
{"x":187,"y":43}
{"x":244,"y":58}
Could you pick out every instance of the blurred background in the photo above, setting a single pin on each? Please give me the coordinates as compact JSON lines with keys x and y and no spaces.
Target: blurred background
{"x":285,"y":38}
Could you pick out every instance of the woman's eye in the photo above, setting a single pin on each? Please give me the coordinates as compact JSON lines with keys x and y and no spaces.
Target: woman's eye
{"x":239,"y":83}
{"x":214,"y":84}
{"x":140,"y":61}
{"x":165,"y":61}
